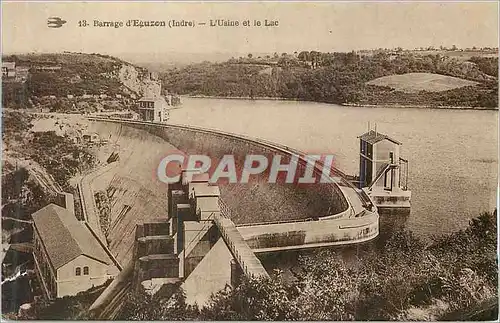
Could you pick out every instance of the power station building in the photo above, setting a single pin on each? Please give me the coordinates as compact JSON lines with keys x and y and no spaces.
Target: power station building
{"x":68,"y":258}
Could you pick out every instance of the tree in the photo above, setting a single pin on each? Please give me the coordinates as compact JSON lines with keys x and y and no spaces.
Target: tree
{"x":166,"y":305}
{"x":324,"y":290}
{"x":303,"y":56}
{"x":394,"y":276}
{"x":315,"y":58}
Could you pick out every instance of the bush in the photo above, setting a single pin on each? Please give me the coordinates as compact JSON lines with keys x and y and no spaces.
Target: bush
{"x":387,"y":284}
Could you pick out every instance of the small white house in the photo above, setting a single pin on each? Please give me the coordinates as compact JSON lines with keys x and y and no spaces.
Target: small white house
{"x":91,"y":137}
{"x":154,"y":109}
{"x":8,"y":69}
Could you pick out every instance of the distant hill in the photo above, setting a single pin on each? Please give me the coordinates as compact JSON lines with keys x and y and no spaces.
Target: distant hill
{"x":416,"y":82}
{"x":162,"y":61}
{"x":400,"y":79}
{"x":72,"y":74}
{"x":341,"y":78}
{"x":63,"y":82}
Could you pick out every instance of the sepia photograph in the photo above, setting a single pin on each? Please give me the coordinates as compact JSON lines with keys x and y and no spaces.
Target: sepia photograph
{"x":249,"y":161}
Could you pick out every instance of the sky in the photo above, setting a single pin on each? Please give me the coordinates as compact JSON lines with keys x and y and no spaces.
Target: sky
{"x":334,"y":26}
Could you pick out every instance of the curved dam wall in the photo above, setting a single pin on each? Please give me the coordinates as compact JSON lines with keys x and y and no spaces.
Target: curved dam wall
{"x":257,"y":201}
{"x":270,"y":217}
{"x":134,"y":194}
{"x":310,"y":234}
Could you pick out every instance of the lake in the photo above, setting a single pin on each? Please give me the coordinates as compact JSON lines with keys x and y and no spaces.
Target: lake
{"x":452,"y":154}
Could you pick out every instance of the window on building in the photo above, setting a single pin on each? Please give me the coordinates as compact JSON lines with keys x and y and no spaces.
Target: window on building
{"x":78,"y":271}
{"x":85,"y":270}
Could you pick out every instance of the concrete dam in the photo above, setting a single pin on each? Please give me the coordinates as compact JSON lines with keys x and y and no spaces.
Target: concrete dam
{"x":265,"y":217}
{"x":142,"y":145}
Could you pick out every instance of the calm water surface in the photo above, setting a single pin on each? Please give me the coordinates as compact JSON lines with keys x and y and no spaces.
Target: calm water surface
{"x":452,"y":154}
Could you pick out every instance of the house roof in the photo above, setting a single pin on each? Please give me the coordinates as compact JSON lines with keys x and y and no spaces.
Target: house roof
{"x":152,"y":99}
{"x":64,"y":237}
{"x":90,"y":134}
{"x":373,"y":137}
{"x":9,"y":65}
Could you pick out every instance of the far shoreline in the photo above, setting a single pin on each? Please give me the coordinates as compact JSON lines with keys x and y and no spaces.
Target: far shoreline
{"x":393,"y":106}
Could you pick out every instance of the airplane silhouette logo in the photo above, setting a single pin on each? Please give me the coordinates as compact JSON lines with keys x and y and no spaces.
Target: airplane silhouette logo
{"x":55,"y":22}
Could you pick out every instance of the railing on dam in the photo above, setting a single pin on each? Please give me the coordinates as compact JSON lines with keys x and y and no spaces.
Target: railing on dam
{"x":249,"y":263}
{"x":337,"y":179}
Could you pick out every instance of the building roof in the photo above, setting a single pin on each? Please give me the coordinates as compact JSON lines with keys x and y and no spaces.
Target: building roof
{"x":208,"y":204}
{"x":65,"y":238}
{"x":9,"y":65}
{"x":196,"y":176}
{"x":204,"y":190}
{"x":373,"y":137}
{"x":152,"y":99}
{"x":91,"y":134}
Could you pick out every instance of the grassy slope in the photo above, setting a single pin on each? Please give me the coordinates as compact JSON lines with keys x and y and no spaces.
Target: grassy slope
{"x":416,"y":82}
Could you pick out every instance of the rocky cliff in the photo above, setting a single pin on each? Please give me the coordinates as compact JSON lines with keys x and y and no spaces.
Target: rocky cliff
{"x":138,"y":81}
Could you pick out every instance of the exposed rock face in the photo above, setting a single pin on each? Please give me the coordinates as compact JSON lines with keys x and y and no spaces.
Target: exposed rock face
{"x":138,"y":81}
{"x":130,"y":77}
